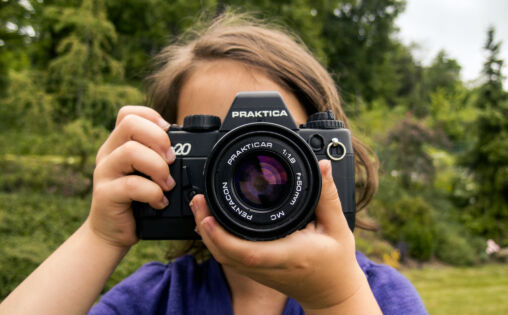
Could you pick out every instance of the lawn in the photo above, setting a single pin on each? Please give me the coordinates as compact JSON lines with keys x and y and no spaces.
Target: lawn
{"x":462,"y":290}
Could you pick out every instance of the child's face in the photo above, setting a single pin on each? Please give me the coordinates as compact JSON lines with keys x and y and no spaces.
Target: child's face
{"x":211,"y":89}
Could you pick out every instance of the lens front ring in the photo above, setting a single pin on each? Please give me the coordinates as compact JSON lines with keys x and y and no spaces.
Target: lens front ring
{"x":279,"y":218}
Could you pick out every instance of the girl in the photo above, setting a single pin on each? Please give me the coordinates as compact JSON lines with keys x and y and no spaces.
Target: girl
{"x":314,"y":270}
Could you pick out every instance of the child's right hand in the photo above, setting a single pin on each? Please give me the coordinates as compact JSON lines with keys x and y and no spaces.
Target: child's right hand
{"x":138,"y":143}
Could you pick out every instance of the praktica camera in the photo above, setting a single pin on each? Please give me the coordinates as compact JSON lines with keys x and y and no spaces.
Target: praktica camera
{"x":257,"y":169}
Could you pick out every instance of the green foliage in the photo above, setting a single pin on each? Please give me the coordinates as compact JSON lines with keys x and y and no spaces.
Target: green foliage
{"x":456,"y":246}
{"x":83,"y":67}
{"x":357,"y":41}
{"x":82,"y":140}
{"x":14,"y":23}
{"x":406,"y":148}
{"x":409,"y":220}
{"x":33,"y":224}
{"x":62,"y":85}
{"x":487,"y":160}
{"x":421,"y":240}
{"x":145,"y":27}
{"x":451,"y":111}
{"x":42,"y":174}
{"x":443,"y":73}
{"x":104,"y":101}
{"x":26,"y":106}
{"x":372,"y":245}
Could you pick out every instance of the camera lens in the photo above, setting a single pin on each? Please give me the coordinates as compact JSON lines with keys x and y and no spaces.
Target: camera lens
{"x":261,"y":181}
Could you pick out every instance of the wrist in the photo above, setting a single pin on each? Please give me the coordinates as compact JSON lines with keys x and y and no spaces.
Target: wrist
{"x":361,"y":301}
{"x":95,"y":238}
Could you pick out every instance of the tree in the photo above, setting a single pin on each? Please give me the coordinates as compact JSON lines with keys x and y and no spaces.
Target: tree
{"x":406,"y":153}
{"x":15,"y":33}
{"x":488,"y":158}
{"x":84,"y":76}
{"x":358,"y":43}
{"x":144,"y":27}
{"x":443,"y":73}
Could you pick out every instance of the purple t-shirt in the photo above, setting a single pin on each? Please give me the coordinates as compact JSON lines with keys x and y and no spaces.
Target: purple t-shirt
{"x":185,"y":287}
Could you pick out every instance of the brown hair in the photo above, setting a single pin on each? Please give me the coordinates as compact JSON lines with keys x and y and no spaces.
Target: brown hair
{"x":276,"y":52}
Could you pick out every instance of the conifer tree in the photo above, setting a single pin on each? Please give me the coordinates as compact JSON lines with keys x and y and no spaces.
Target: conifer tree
{"x":488,"y":158}
{"x":86,"y":79}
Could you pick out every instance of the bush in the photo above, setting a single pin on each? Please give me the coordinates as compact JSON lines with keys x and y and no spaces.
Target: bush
{"x":421,"y":240}
{"x":50,"y":174}
{"x":372,"y":245}
{"x":34,"y":224}
{"x":409,"y":220}
{"x":456,"y":246}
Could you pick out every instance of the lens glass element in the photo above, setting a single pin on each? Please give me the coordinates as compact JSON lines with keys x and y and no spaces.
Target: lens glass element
{"x":261,"y":181}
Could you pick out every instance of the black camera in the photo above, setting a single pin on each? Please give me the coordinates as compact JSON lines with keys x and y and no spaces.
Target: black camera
{"x":257,"y":169}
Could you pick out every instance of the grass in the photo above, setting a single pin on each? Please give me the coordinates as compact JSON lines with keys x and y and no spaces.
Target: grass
{"x":462,"y":290}
{"x":34,"y":224}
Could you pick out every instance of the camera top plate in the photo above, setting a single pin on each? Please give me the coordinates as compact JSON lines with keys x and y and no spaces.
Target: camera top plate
{"x":258,"y":106}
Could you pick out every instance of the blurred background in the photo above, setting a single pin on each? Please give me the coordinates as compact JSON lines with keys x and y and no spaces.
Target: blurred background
{"x":441,"y":136}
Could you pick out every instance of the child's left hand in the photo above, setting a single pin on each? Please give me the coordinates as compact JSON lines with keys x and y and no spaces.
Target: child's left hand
{"x":316,"y":266}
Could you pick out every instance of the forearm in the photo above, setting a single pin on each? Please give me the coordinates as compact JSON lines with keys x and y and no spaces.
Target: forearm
{"x":361,"y":302}
{"x":68,"y":281}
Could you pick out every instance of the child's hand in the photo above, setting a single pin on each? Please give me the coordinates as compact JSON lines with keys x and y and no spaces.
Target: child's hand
{"x":138,"y":143}
{"x":316,"y":266}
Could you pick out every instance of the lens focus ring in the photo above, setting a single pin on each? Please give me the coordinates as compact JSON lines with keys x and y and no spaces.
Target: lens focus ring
{"x":262,"y":181}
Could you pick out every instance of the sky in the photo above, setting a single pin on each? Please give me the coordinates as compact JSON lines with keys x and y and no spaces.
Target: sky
{"x":457,"y":26}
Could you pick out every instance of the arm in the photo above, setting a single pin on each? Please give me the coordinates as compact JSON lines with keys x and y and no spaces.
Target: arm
{"x":69,"y":281}
{"x":316,"y":266}
{"x":361,"y":302}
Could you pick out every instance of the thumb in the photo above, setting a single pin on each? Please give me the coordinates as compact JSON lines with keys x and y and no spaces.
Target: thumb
{"x":329,"y":210}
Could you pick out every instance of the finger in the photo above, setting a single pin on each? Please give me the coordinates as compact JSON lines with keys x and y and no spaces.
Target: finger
{"x":133,"y":156}
{"x":329,"y":210}
{"x":137,"y":128}
{"x":199,"y":208}
{"x":126,"y":189}
{"x":143,"y":111}
{"x":231,"y":249}
{"x":201,"y":211}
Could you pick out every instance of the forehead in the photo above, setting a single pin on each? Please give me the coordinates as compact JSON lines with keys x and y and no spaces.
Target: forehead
{"x":212,"y":87}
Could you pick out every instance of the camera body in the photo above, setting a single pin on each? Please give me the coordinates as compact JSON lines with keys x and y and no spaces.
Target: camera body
{"x":257,"y":169}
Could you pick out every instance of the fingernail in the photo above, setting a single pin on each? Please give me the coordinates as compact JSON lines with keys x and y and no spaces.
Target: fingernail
{"x":165,"y":201}
{"x":170,"y":182}
{"x":197,"y":231}
{"x":328,"y":171}
{"x":208,"y":225}
{"x":163,"y":124}
{"x":192,"y":206}
{"x":171,"y":155}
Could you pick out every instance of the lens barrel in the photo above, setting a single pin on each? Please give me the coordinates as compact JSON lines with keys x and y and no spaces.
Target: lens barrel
{"x":262,"y":181}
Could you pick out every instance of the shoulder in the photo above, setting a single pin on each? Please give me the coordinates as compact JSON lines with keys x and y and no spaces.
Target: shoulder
{"x":145,"y":290}
{"x":394,"y":293}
